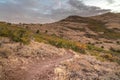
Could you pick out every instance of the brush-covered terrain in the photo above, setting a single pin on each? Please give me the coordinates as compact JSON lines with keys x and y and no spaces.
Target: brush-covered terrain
{"x":75,"y":48}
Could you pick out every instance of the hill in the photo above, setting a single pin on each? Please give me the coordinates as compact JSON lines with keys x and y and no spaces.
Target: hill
{"x":71,"y":49}
{"x":102,"y":30}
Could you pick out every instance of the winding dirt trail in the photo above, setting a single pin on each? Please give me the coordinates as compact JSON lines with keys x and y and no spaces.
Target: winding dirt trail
{"x":45,"y":70}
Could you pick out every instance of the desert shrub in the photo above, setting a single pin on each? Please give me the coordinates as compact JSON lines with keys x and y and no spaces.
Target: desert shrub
{"x":109,"y":57}
{"x":90,"y":47}
{"x":38,"y":38}
{"x":20,"y":35}
{"x":26,"y":27}
{"x":65,"y":44}
{"x":118,"y":42}
{"x":115,"y":50}
{"x":4,"y":31}
{"x":62,"y":43}
{"x":9,"y":23}
{"x":46,"y":31}
{"x":91,"y":36}
{"x":54,"y":35}
{"x":108,"y":41}
{"x":93,"y":48}
{"x":14,"y":33}
{"x":40,"y":24}
{"x":4,"y":53}
{"x":89,"y":43}
{"x":105,"y":55}
{"x":38,"y":31}
{"x":98,"y":42}
{"x":102,"y":46}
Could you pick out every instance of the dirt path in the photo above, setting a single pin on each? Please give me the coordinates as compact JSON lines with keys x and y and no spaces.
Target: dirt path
{"x":45,"y":70}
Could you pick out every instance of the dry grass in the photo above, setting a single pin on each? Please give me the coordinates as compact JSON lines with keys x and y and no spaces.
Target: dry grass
{"x":24,"y":36}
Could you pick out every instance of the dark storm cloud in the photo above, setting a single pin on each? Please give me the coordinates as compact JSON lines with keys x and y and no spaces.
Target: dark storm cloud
{"x":40,"y":11}
{"x":84,"y":9}
{"x":77,"y":8}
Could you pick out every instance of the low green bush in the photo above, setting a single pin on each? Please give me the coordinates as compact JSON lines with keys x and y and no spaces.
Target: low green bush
{"x":20,"y":35}
{"x":16,"y":34}
{"x":61,"y":43}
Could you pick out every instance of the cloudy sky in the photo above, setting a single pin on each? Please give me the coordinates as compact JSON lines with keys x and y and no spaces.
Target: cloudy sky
{"x":44,"y":11}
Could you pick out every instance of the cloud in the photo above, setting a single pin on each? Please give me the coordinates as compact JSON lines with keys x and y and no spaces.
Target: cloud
{"x":86,"y":10}
{"x":43,"y":11}
{"x":76,"y":7}
{"x":27,"y":11}
{"x":113,"y":5}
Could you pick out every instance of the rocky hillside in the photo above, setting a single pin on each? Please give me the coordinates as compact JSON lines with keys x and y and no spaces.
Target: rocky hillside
{"x":102,"y":31}
{"x":76,"y":48}
{"x":39,"y":61}
{"x":112,"y":20}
